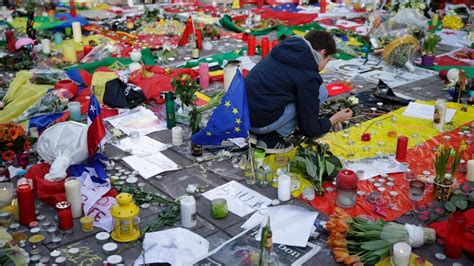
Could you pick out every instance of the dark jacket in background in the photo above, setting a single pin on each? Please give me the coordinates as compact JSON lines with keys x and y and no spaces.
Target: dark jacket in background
{"x":288,"y":75}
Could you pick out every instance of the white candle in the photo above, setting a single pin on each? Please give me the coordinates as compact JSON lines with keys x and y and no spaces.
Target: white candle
{"x":229,"y":73}
{"x":284,"y":187}
{"x":76,"y":31}
{"x":6,"y":193}
{"x":73,"y":195}
{"x":177,"y":136}
{"x":188,"y":212}
{"x":46,"y":46}
{"x":470,"y":171}
{"x":401,"y":254}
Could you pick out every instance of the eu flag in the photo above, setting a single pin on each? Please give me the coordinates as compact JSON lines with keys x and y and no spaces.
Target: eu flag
{"x":230,"y":118}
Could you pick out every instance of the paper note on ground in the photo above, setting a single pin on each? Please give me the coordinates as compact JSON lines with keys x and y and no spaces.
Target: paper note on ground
{"x":142,"y":146}
{"x":139,"y":120}
{"x":241,"y":200}
{"x":373,"y":167}
{"x":425,"y":111}
{"x":291,"y":225}
{"x":151,"y":165}
{"x":176,"y":246}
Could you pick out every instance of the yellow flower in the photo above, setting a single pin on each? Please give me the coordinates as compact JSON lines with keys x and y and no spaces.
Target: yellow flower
{"x":463,"y":146}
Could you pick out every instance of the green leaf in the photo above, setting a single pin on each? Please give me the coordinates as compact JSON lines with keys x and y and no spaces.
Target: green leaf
{"x":311,"y":168}
{"x":330,"y":168}
{"x":376,"y":244}
{"x":461,"y":204}
{"x":457,"y":197}
{"x":450,"y":206}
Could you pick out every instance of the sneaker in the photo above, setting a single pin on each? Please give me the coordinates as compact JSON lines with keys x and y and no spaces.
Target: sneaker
{"x":273,"y":143}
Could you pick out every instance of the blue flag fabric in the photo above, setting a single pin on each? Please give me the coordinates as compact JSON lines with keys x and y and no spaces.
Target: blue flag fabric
{"x":230,"y":118}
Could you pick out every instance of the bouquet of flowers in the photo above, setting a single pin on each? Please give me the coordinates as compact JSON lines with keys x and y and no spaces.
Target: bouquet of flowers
{"x":13,"y":140}
{"x":10,"y":252}
{"x":52,"y":102}
{"x":357,"y":241}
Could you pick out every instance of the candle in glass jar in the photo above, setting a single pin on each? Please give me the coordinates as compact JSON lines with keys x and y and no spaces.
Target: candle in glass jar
{"x":455,"y":236}
{"x":76,"y":31}
{"x":188,"y":212}
{"x":46,"y":46}
{"x":346,"y":188}
{"x":401,"y":254}
{"x":204,"y":75}
{"x":470,"y":170}
{"x":284,"y":187}
{"x":251,"y":45}
{"x":69,"y":53}
{"x":417,"y":188}
{"x":26,"y":201}
{"x":265,"y":46}
{"x":6,"y":193}
{"x":63,"y":209}
{"x":402,"y":145}
{"x":73,"y":196}
{"x":177,"y":136}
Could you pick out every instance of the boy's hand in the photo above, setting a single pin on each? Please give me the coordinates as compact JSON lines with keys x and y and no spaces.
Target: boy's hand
{"x":341,"y":116}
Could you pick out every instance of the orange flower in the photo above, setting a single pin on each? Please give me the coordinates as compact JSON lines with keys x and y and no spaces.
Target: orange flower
{"x":350,"y":260}
{"x":10,"y":145}
{"x":8,"y":155}
{"x":26,"y":146}
{"x":14,"y":133}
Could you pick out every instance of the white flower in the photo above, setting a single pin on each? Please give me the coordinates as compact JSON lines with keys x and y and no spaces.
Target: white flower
{"x":353,"y":100}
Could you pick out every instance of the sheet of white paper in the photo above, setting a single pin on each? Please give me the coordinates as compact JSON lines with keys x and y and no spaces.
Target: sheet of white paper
{"x":241,"y":142}
{"x":374,"y":167}
{"x":453,"y":37}
{"x":139,"y":120}
{"x":151,"y":165}
{"x":291,"y":225}
{"x":176,"y":246}
{"x":241,"y":200}
{"x":425,"y":111}
{"x":144,"y":145}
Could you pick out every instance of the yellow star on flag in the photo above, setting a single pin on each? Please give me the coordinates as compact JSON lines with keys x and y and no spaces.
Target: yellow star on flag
{"x":227,"y":104}
{"x":237,"y":121}
{"x":208,"y":133}
{"x":237,"y":129}
{"x":235,"y":111}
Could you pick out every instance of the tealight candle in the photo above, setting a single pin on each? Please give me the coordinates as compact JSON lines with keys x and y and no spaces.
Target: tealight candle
{"x":401,"y":254}
{"x":102,"y":237}
{"x":109,"y":248}
{"x":188,"y":212}
{"x":114,"y":259}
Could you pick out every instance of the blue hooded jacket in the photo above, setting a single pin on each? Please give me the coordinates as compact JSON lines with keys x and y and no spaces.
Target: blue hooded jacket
{"x":288,"y":75}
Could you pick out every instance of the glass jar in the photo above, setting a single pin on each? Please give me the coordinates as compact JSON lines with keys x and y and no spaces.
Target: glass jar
{"x":219,"y":209}
{"x":417,"y":189}
{"x":346,"y":188}
{"x":455,"y":235}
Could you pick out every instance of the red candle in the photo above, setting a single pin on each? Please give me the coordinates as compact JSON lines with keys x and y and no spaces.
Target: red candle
{"x":245,"y":37}
{"x":87,"y":49}
{"x":26,"y":201}
{"x":402,"y":146}
{"x":73,"y":8}
{"x":251,"y":45}
{"x":10,"y":37}
{"x":275,"y":43}
{"x":65,"y":221}
{"x":322,"y":7}
{"x":265,"y":46}
{"x":199,"y":39}
{"x":455,"y":235}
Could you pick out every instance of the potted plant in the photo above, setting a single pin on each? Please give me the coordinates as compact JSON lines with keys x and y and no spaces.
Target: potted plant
{"x":446,"y":162}
{"x":185,"y":89}
{"x":429,"y":47}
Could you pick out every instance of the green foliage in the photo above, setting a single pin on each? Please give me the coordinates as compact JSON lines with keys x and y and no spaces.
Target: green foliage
{"x":430,"y":43}
{"x":185,"y":89}
{"x":316,"y":163}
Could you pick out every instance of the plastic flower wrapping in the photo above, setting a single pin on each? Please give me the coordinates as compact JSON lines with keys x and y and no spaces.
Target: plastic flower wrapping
{"x":357,"y":241}
{"x":52,"y":102}
{"x":10,"y":252}
{"x":13,"y":140}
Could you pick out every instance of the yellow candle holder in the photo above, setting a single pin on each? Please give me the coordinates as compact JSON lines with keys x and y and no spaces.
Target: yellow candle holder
{"x":87,"y":223}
